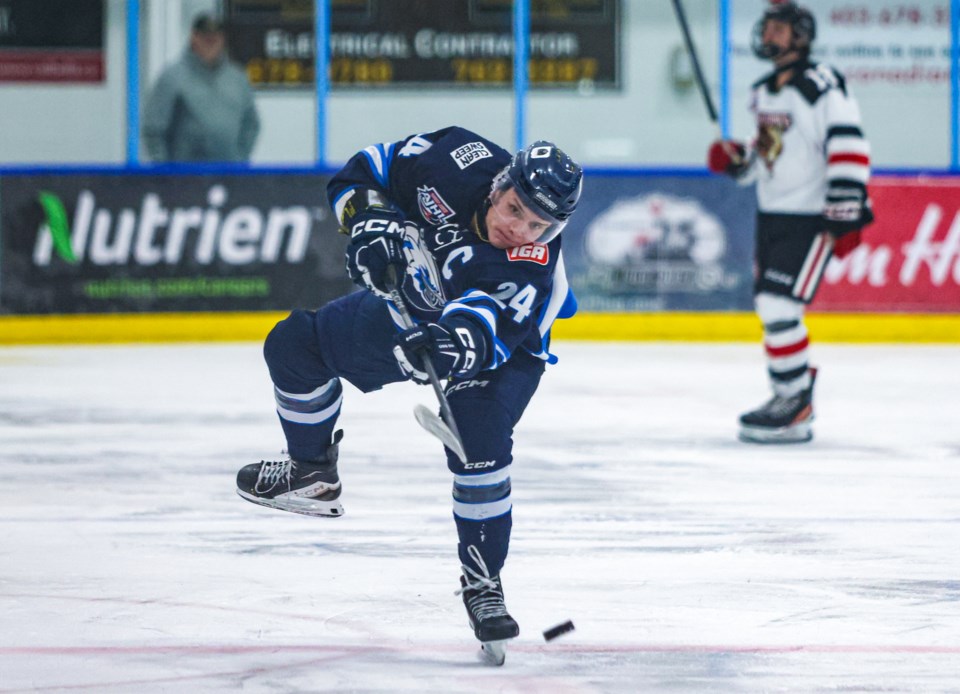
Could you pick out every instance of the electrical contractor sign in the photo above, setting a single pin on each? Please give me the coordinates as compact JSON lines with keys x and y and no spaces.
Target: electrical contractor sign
{"x":428,"y":44}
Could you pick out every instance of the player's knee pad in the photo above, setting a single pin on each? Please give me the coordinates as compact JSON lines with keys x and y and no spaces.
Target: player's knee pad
{"x":482,"y":495}
{"x":778,"y":313}
{"x":292,"y":354}
{"x":288,"y":337}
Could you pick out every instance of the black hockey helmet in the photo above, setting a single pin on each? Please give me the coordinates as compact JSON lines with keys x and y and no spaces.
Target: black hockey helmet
{"x":801,"y":22}
{"x":547,"y":180}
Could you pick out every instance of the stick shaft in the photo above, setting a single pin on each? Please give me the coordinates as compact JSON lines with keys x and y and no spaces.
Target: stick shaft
{"x":407,"y":321}
{"x":692,"y":50}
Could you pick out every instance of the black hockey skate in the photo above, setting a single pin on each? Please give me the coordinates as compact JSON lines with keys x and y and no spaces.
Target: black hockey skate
{"x":311,"y":488}
{"x":483,"y":598}
{"x":781,"y":419}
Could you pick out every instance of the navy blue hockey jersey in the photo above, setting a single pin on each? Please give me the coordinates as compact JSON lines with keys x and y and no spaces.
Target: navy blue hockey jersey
{"x":439,"y":180}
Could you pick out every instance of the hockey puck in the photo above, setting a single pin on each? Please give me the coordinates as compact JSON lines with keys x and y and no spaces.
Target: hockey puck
{"x":559,"y":630}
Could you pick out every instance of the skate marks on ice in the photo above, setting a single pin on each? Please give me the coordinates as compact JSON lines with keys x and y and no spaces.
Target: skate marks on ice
{"x":441,"y":667}
{"x":689,"y":562}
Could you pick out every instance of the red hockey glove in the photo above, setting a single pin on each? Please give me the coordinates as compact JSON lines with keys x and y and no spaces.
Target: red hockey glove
{"x":727,"y":157}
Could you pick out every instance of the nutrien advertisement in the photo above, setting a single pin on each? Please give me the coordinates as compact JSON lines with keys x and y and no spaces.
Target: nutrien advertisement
{"x":115,"y":243}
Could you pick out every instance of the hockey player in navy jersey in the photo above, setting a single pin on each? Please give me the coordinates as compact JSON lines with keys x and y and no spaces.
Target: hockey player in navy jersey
{"x":811,"y":165}
{"x":473,"y":233}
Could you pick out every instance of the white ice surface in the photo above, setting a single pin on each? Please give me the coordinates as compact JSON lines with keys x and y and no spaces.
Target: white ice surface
{"x":688,"y":561}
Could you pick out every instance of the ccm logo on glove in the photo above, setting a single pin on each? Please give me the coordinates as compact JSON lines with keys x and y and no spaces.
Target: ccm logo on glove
{"x":375,"y":225}
{"x":456,"y":350}
{"x":376,"y":243}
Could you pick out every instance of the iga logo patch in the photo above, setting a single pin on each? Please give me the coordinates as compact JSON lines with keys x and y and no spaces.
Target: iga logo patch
{"x":470,"y":153}
{"x":433,"y":207}
{"x":537,"y":253}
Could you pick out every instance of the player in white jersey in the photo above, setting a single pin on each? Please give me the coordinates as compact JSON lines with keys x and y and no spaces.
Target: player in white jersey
{"x":811,"y":164}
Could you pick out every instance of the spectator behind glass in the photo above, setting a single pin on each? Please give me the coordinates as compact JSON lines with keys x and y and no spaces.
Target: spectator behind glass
{"x":201,"y":107}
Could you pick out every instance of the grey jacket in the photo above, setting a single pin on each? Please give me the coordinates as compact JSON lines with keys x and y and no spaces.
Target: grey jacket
{"x":200,"y":113}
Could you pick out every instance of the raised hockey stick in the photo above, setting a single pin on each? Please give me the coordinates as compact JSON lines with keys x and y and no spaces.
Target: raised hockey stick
{"x":444,"y":429}
{"x":701,"y":80}
{"x":698,"y":73}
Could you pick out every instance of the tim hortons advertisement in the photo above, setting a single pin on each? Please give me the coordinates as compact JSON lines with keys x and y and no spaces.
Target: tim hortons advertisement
{"x":110,"y":243}
{"x":910,"y":257}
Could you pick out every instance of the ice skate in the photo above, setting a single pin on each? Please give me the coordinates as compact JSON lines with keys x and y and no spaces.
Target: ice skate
{"x":483,"y":598}
{"x":781,"y":419}
{"x":311,"y":488}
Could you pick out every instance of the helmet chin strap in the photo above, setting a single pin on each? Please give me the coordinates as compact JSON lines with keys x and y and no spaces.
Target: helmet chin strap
{"x":479,"y":221}
{"x":772,"y":51}
{"x":780,"y":69}
{"x":769,"y":51}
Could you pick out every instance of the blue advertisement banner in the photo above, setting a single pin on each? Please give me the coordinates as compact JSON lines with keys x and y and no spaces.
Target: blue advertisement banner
{"x":662,"y":243}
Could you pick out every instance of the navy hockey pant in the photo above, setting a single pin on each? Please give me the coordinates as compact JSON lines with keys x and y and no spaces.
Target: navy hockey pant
{"x":352,"y":338}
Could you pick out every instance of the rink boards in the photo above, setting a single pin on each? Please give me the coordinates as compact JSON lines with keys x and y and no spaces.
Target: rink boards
{"x":105,"y":256}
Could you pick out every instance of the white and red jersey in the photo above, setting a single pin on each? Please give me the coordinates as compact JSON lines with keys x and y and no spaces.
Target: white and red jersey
{"x":810,"y":153}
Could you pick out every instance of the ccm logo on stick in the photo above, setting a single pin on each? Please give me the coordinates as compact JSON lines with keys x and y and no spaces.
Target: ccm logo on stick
{"x":534,"y":252}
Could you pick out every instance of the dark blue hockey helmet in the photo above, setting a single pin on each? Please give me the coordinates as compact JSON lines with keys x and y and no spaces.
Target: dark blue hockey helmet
{"x":547,"y":181}
{"x":801,"y":22}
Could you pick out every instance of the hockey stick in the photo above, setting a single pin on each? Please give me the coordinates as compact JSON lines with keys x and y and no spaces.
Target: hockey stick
{"x":444,"y":429}
{"x":701,"y":81}
{"x":698,"y":73}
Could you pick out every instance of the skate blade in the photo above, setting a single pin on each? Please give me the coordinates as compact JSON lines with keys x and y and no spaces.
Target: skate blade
{"x":493,"y":652}
{"x":436,"y":426}
{"x":306,"y":507}
{"x":797,"y":433}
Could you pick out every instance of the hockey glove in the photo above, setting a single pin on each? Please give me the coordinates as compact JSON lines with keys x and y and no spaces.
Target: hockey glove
{"x":846,"y":208}
{"x":376,"y":243}
{"x":727,"y":157}
{"x":457,"y":348}
{"x":846,"y":212}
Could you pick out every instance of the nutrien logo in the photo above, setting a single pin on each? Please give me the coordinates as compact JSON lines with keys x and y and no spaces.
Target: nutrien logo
{"x":156,"y":234}
{"x":57,"y":225}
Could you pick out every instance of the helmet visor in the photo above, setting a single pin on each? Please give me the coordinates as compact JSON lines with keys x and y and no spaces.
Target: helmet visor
{"x":503,"y":183}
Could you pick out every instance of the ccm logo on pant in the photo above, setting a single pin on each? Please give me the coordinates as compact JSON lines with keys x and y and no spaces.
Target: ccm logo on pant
{"x":479,"y":465}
